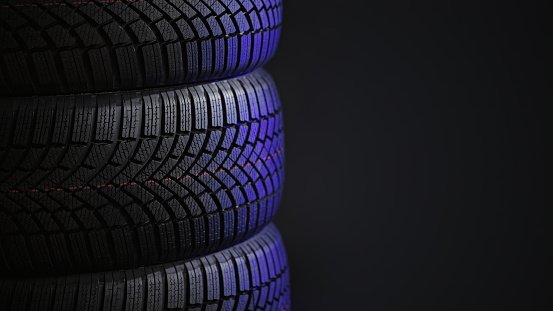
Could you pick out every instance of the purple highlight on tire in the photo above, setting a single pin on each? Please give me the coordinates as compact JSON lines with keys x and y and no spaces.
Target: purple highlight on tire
{"x":251,"y":275}
{"x":216,"y":181}
{"x":66,"y":47}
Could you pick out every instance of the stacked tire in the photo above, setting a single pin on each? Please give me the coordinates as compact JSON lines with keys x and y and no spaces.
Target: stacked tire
{"x":141,"y":156}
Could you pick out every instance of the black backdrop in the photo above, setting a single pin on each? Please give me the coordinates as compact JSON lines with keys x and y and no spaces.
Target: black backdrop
{"x":416,"y":154}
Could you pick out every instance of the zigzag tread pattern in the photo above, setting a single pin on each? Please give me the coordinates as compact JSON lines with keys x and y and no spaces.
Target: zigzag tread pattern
{"x":137,"y":178}
{"x":66,"y":47}
{"x":252,"y":275}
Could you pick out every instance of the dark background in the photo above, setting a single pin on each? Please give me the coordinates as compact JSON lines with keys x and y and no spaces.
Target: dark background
{"x":416,"y":165}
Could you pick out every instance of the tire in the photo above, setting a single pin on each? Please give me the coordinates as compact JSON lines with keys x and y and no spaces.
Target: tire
{"x":73,"y":46}
{"x":250,"y":276}
{"x":126,"y":179}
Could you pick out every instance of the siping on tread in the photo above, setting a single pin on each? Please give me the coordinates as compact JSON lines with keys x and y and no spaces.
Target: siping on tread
{"x":252,"y":275}
{"x":75,"y":46}
{"x":104,"y":181}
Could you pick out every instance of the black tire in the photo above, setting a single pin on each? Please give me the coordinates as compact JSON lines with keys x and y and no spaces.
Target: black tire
{"x":249,"y":276}
{"x":126,"y":179}
{"x":75,"y":46}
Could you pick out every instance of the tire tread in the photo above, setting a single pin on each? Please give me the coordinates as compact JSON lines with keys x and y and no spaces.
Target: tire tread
{"x":117,"y":180}
{"x":66,"y":46}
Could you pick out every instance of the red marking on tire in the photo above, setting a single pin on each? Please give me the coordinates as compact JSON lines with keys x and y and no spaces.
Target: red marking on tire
{"x":151,"y":180}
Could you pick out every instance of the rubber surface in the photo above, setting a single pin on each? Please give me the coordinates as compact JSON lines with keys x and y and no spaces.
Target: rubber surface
{"x":125,"y":179}
{"x":250,"y":276}
{"x":76,"y":46}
